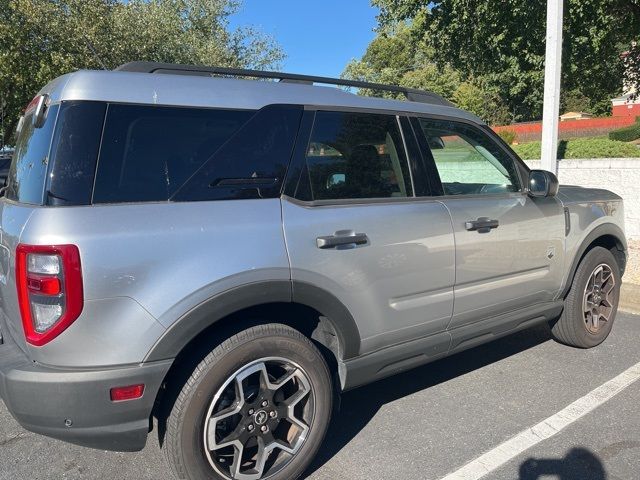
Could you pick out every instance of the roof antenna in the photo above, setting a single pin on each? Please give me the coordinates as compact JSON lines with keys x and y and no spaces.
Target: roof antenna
{"x":95,"y":54}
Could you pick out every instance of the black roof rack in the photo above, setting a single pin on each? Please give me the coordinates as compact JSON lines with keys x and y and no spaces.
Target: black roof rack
{"x":412,"y":94}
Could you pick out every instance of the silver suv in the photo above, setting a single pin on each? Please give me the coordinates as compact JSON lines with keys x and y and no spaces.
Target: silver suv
{"x":227,"y":255}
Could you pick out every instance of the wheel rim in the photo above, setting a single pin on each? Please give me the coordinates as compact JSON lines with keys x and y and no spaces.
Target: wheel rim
{"x":598,"y":302}
{"x":259,"y":419}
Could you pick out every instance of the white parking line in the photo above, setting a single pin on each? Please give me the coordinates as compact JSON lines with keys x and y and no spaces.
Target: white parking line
{"x":513,"y":447}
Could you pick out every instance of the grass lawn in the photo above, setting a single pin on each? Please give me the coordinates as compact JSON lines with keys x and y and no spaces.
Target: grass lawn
{"x":582,"y":148}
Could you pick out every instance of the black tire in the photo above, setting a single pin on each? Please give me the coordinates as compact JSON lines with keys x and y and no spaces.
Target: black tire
{"x":184,"y":443}
{"x":572,"y":328}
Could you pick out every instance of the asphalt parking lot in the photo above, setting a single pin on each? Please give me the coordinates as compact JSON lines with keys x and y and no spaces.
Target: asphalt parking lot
{"x":430,"y":422}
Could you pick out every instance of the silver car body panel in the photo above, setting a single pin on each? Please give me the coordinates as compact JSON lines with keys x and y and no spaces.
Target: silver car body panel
{"x":13,"y":219}
{"x":516,"y":265}
{"x":196,"y":91}
{"x":588,"y":209}
{"x":146,"y":265}
{"x":399,"y":286}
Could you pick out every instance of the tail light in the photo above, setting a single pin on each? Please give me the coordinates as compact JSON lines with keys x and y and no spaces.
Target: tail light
{"x":49,"y":283}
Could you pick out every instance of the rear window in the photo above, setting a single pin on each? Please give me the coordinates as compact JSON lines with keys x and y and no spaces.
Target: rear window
{"x":29,"y":165}
{"x":149,"y":152}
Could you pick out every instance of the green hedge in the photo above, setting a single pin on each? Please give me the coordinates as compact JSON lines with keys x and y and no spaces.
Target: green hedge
{"x":627,"y":134}
{"x":509,"y":136}
{"x":582,"y":148}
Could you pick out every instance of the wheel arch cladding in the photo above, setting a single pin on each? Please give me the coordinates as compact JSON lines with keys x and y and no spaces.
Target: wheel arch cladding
{"x":609,"y":236}
{"x":244,"y":306}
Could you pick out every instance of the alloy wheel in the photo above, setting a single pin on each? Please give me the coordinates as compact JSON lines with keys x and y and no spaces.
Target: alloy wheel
{"x":259,"y":419}
{"x":598,"y":300}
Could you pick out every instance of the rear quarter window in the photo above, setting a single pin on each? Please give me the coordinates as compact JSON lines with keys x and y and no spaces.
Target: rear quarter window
{"x":149,"y":152}
{"x":74,"y":153}
{"x":29,"y":166}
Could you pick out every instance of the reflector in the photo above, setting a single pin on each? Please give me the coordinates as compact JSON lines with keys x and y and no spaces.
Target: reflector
{"x":119,"y":394}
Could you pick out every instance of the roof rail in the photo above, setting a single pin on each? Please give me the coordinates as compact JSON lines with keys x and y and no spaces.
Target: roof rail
{"x":412,"y":94}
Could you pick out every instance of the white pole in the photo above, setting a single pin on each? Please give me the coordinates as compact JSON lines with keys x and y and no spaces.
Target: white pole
{"x":552,"y":76}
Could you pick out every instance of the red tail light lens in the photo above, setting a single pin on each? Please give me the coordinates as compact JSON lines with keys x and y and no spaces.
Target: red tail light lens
{"x":49,"y":283}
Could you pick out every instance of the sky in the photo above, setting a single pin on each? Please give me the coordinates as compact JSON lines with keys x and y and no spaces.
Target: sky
{"x":318,"y":37}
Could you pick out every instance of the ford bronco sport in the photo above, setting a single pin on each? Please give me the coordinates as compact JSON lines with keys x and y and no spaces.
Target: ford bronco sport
{"x":226,"y":255}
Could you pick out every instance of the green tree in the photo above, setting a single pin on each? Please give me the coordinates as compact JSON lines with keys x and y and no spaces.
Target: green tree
{"x":503,"y":43}
{"x":42,"y":39}
{"x":398,"y":56}
{"x":575,"y":101}
{"x":632,"y":70}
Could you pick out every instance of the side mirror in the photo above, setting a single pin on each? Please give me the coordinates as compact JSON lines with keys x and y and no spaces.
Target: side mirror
{"x":435,"y":143}
{"x":543,"y":184}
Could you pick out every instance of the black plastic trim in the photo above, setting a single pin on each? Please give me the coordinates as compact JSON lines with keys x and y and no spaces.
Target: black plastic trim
{"x":599,"y":231}
{"x":335,"y":311}
{"x":405,"y":356}
{"x":297,"y":178}
{"x":477,"y":333}
{"x":75,"y":406}
{"x":189,"y":326}
{"x":421,"y":182}
{"x":395,"y":359}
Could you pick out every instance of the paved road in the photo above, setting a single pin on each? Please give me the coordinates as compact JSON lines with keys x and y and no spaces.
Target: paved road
{"x":431,"y":421}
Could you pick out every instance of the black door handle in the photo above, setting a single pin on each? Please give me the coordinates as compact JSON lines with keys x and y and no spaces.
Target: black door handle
{"x":482,"y":225}
{"x":333,"y":241}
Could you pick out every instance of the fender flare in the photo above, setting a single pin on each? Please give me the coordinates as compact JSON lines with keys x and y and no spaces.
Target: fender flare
{"x":214,"y":309}
{"x":607,"y":229}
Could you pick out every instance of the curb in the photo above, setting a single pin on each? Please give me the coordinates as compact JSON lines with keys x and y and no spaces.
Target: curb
{"x":630,"y":298}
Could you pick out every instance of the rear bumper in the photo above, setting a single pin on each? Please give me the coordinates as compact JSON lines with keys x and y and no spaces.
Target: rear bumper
{"x":45,"y":400}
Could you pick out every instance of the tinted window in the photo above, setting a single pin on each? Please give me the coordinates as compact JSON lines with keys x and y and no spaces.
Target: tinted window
{"x":467,"y":160}
{"x":29,"y":165}
{"x":75,"y":152}
{"x":357,"y":155}
{"x":253,"y":163}
{"x":149,"y":152}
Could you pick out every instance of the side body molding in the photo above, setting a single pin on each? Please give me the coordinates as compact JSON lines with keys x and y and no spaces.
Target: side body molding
{"x":206,"y":314}
{"x":607,"y":229}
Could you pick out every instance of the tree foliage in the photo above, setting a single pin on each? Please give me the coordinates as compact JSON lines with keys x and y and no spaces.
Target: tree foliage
{"x":500,"y":47}
{"x":399,"y":56}
{"x":42,"y":39}
{"x":632,"y":70}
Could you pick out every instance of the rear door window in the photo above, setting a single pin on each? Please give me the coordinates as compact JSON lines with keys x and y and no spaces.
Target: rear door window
{"x":30,"y":162}
{"x":149,"y":152}
{"x":357,"y":156}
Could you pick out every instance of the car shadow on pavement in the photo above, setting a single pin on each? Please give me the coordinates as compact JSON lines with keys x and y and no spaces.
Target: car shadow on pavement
{"x":578,"y":464}
{"x":359,"y":406}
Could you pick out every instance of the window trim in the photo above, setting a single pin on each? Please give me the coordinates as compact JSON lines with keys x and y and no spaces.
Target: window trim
{"x":422,"y":167}
{"x":299,"y":161}
{"x":522,"y":189}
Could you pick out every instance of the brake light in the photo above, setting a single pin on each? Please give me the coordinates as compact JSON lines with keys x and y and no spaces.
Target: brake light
{"x":49,"y":283}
